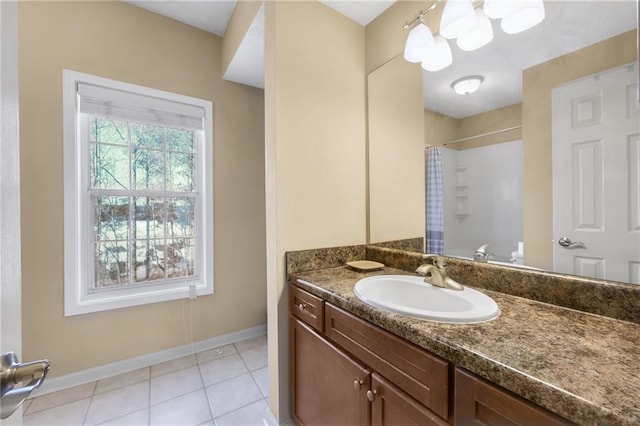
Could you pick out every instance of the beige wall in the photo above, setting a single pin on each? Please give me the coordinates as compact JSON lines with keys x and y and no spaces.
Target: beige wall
{"x":440,"y":129}
{"x":538,"y":82}
{"x":315,"y":151}
{"x":395,"y":151}
{"x":118,"y":41}
{"x":487,"y":122}
{"x":243,"y":15}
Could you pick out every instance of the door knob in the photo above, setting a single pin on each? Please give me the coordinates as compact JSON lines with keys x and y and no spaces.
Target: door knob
{"x":28,"y":377}
{"x":567,"y":243}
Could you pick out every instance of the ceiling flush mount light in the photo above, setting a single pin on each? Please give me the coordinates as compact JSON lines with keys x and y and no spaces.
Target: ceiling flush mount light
{"x":467,"y":85}
{"x":479,"y":36}
{"x":418,"y":42}
{"x":458,"y":17}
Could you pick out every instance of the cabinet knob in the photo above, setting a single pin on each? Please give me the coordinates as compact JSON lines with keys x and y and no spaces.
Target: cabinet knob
{"x":371,"y":395}
{"x":357,"y":385}
{"x":302,"y":306}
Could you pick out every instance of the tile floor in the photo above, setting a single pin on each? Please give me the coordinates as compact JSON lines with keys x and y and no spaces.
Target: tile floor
{"x":222,"y":386}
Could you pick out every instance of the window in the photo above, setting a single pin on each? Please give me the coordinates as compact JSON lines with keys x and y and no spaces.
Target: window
{"x":138,"y":195}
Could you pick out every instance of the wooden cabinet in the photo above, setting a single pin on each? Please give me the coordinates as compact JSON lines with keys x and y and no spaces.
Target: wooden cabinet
{"x":346,"y":371}
{"x":307,"y":307}
{"x":478,"y":402}
{"x":332,"y":373}
{"x":424,"y":376}
{"x":330,"y":388}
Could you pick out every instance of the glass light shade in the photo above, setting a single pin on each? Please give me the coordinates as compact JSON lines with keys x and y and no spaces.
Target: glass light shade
{"x":529,"y":14}
{"x":467,"y":85}
{"x":496,"y":9}
{"x":458,"y":17}
{"x":479,"y":36}
{"x":418,"y":42}
{"x":439,"y":56}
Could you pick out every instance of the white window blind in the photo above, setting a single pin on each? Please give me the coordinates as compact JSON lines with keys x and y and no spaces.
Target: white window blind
{"x":109,"y":102}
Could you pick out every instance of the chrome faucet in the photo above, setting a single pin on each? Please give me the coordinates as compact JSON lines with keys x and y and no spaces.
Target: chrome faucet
{"x":481,"y":254}
{"x":435,"y":273}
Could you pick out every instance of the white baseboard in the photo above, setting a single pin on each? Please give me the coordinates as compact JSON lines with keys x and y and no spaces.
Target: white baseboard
{"x":93,"y":374}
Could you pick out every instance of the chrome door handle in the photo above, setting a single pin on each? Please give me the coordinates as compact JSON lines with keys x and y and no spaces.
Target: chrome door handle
{"x":566,"y":243}
{"x":29,"y":376}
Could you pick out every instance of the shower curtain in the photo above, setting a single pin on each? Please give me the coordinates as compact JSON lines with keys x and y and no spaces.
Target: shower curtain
{"x":434,"y":240}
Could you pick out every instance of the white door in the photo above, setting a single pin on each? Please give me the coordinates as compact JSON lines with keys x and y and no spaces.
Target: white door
{"x":11,"y":340}
{"x":596,"y":176}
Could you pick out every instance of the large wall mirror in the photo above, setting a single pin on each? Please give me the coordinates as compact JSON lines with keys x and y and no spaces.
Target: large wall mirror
{"x":547,"y":147}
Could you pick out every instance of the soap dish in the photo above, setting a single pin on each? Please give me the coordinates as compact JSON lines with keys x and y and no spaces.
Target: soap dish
{"x":365,"y":265}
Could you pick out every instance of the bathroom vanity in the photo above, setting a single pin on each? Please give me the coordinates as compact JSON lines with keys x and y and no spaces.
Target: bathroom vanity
{"x":537,"y":363}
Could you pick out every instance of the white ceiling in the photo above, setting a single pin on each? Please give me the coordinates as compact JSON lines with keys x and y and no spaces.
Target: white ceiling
{"x":569,"y":25}
{"x":211,"y":16}
{"x":247,"y":65}
{"x":361,"y":11}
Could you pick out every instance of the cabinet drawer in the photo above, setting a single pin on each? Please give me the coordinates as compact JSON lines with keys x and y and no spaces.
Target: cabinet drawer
{"x":423,"y":376}
{"x":307,"y":307}
{"x":478,"y":402}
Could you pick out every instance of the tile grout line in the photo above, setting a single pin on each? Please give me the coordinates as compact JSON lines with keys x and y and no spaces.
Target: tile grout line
{"x":204,"y":389}
{"x":93,"y":393}
{"x":239,"y":353}
{"x":251,"y":371}
{"x":147,"y":407}
{"x":241,"y":407}
{"x":149,"y":400}
{"x":264,"y":398}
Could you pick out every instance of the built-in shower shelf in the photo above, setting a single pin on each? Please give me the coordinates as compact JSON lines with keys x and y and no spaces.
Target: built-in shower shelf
{"x":461,"y":177}
{"x":461,"y":207}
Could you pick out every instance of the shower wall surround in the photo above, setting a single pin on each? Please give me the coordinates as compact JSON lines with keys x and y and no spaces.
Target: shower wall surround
{"x":483,"y":199}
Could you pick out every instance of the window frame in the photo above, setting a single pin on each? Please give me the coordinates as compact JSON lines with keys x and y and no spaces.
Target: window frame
{"x":79,"y":295}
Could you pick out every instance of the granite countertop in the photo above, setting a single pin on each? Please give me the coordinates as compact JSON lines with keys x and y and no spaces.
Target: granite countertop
{"x":582,"y":366}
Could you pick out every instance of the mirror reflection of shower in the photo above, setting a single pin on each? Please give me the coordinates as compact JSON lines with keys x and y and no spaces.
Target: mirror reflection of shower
{"x":481,"y":201}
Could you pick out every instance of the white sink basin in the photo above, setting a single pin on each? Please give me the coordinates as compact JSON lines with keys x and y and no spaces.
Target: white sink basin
{"x":412,"y":297}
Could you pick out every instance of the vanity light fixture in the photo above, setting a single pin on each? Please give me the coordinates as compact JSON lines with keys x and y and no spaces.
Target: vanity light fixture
{"x":479,"y":36}
{"x":470,"y":25}
{"x":529,"y":14}
{"x":418,"y":43}
{"x":439,"y":57}
{"x":458,"y":18}
{"x":498,"y":9}
{"x":467,"y":85}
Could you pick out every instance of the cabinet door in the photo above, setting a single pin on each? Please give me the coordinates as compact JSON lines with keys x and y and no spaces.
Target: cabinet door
{"x":420,"y":374}
{"x":478,"y":402}
{"x":329,"y":388}
{"x":391,"y":406}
